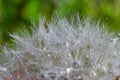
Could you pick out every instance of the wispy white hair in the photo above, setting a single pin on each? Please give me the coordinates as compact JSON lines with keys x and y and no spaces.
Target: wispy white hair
{"x":65,"y":50}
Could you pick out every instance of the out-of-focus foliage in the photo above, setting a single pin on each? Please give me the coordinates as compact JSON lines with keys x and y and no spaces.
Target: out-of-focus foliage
{"x":16,"y":13}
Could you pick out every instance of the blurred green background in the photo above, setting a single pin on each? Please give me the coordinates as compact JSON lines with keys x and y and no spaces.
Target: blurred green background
{"x":14,"y":14}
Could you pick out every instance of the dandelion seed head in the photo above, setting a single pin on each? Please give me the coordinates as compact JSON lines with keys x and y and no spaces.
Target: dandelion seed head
{"x":67,"y":50}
